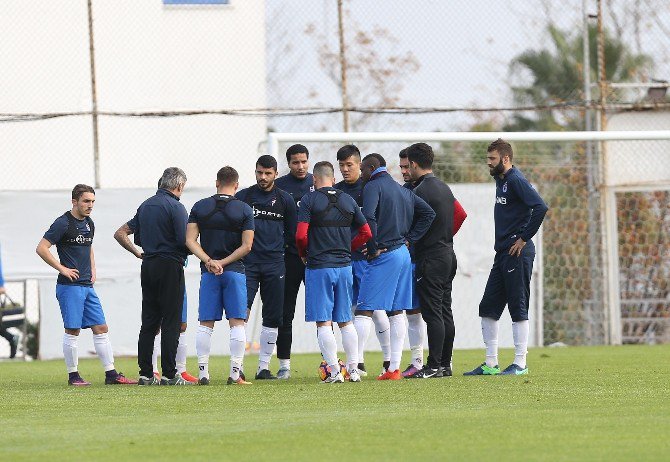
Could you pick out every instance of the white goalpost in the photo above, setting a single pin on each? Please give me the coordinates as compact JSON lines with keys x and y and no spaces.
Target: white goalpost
{"x":613,"y":160}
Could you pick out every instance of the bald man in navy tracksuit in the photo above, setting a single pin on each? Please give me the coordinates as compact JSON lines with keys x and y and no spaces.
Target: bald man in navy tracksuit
{"x":396,"y":216}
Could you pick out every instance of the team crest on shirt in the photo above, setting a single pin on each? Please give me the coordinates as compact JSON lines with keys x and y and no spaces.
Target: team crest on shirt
{"x":273,"y":202}
{"x":311,"y":189}
{"x":504,"y":187}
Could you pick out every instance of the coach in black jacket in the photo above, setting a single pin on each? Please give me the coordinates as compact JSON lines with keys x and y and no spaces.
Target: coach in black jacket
{"x":435,"y":260}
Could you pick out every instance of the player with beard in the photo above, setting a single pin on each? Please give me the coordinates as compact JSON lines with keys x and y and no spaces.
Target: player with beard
{"x":518,"y":214}
{"x":274,"y":220}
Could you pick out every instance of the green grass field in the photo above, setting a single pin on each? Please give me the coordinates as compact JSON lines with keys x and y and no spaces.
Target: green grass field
{"x":590,"y":403}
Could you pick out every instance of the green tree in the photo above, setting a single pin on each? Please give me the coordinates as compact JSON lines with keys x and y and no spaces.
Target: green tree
{"x":556,"y":76}
{"x":553,"y":75}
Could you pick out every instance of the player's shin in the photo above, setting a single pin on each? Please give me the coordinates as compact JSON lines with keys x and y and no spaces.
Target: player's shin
{"x":328,"y":347}
{"x":203,"y":344}
{"x":415,"y":334}
{"x":70,"y":352}
{"x":238,"y":340}
{"x":520,"y":332}
{"x":362,"y":324}
{"x":350,"y":344}
{"x":268,"y":340}
{"x":154,"y":356}
{"x":182,"y":349}
{"x":490,"y":334}
{"x":103,"y":348}
{"x":383,"y":332}
{"x":398,"y":331}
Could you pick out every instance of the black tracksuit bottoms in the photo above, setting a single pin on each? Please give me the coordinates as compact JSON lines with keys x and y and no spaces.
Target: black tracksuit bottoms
{"x":435,"y":273}
{"x":295,"y":275}
{"x":162,"y":301}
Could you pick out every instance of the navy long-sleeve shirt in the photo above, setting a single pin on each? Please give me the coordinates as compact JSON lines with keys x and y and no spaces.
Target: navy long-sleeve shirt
{"x":519,"y":209}
{"x":297,"y":188}
{"x":355,"y":190}
{"x":275,"y":218}
{"x":391,"y":210}
{"x":221,"y":222}
{"x":160,"y":226}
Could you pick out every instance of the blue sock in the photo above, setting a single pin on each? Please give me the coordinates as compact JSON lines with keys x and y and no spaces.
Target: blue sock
{"x":73,"y":375}
{"x":111,"y":373}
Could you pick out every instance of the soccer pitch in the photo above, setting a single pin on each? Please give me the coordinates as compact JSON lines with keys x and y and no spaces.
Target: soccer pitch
{"x":586,"y":403}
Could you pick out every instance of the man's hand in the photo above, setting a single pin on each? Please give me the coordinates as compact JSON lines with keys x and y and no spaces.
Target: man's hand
{"x":517,"y":247}
{"x":93,"y":277}
{"x":376,"y":254}
{"x":2,"y":290}
{"x":71,"y":274}
{"x":304,"y":260}
{"x":214,"y":267}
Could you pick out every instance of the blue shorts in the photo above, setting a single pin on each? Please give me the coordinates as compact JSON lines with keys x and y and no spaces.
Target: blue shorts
{"x":387,"y":284}
{"x":328,"y":294}
{"x":227,"y":291}
{"x":184,"y":310}
{"x":359,"y":268}
{"x":79,"y":306}
{"x":415,"y":294}
{"x":509,"y":284}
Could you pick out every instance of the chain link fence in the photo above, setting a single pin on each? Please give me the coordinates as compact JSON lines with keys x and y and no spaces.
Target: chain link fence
{"x":109,"y":93}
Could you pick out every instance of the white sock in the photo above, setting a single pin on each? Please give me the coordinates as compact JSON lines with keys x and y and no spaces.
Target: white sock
{"x":268,"y":341}
{"x":103,"y":348}
{"x":490,"y":334}
{"x":350,"y":344}
{"x":157,"y":349}
{"x":415,"y":333}
{"x":203,"y":344}
{"x":182,"y":350}
{"x":285,"y":364}
{"x":398,"y":331}
{"x":383,"y":331}
{"x":520,"y":331}
{"x":328,"y":347}
{"x":238,"y":340}
{"x":70,"y":352}
{"x":362,"y":324}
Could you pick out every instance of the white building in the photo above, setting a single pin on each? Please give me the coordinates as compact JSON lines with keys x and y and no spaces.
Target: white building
{"x":148,"y":57}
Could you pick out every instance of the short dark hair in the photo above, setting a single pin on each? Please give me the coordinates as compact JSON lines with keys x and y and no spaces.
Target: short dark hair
{"x":296,"y":149}
{"x":421,"y":154}
{"x":324,"y":168}
{"x":403,"y":153}
{"x":267,"y":161}
{"x":382,"y":161}
{"x":503,"y":148}
{"x":347,"y":151}
{"x":80,"y":189}
{"x":227,"y":176}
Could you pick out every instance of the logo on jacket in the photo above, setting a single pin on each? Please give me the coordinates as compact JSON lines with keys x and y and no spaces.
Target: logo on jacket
{"x":504,"y":188}
{"x":501,"y":200}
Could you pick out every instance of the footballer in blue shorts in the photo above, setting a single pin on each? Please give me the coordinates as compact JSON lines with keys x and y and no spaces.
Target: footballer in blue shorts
{"x":396,"y":216}
{"x":349,"y":160}
{"x":324,"y":242}
{"x":225,"y":225}
{"x":72,"y":233}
